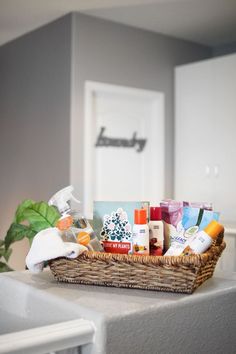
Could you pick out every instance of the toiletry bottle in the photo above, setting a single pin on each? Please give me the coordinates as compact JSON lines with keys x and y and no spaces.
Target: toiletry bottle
{"x":204,"y":239}
{"x":74,"y":227}
{"x":156,"y":232}
{"x":140,"y":233}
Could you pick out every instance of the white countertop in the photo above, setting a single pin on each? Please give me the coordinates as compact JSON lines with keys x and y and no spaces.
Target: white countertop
{"x":107,"y":300}
{"x":152,"y":317}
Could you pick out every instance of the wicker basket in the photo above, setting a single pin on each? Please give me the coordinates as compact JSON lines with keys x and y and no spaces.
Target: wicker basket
{"x":181,"y":274}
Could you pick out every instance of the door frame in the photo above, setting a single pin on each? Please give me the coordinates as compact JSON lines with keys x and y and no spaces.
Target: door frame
{"x":91,"y":89}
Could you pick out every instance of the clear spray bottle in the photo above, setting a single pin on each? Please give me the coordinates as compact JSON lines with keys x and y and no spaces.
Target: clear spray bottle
{"x":74,"y":226}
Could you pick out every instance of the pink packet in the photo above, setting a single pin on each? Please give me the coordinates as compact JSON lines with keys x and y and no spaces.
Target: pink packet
{"x":172,"y":212}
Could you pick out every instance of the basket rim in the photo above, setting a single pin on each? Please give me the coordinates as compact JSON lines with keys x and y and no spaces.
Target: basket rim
{"x":195,"y":259}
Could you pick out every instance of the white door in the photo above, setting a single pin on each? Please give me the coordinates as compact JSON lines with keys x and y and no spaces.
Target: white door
{"x":205,"y":150}
{"x":124,"y":144}
{"x":224,"y":135}
{"x":193,"y":126}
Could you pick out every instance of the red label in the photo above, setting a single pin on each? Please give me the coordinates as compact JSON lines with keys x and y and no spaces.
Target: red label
{"x":117,"y":247}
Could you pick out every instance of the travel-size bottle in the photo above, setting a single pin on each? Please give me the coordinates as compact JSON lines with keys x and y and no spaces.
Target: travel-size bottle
{"x":140,"y":233}
{"x":203,"y":239}
{"x":156,"y":232}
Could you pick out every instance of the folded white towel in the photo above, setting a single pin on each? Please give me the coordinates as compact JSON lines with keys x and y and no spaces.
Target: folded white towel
{"x":46,"y":245}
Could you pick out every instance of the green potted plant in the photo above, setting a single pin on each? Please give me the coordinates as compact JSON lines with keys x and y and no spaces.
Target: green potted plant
{"x":30,"y":218}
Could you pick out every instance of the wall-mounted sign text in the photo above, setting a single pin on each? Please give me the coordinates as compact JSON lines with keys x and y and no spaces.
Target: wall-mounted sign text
{"x":137,"y":143}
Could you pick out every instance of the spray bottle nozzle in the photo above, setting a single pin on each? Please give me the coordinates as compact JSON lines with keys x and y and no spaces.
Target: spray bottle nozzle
{"x":76,"y":200}
{"x":61,"y":198}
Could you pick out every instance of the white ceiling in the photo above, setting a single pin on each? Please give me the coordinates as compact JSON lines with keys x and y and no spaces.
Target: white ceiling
{"x":209,"y":22}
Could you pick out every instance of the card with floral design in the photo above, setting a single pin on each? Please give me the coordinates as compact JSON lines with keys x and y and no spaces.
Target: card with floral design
{"x":113,"y":224}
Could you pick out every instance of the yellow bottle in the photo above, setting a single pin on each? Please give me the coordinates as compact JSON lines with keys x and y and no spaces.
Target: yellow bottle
{"x":204,"y":239}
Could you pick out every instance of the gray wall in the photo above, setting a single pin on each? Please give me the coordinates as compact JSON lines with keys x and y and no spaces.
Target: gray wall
{"x":34,"y":117}
{"x":224,"y":49}
{"x":112,"y":53}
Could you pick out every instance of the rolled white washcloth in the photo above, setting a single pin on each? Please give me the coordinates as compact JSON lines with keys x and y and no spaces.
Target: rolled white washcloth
{"x":47,"y":244}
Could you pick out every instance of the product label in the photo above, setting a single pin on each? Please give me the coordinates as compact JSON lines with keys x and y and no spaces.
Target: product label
{"x":175,"y":250}
{"x":156,"y":239}
{"x":156,"y":227}
{"x":201,"y":239}
{"x":187,"y":251}
{"x":199,"y":245}
{"x":141,"y":242}
{"x":117,"y":247}
{"x":64,"y":223}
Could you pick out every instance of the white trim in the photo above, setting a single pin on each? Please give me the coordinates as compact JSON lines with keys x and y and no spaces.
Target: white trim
{"x":44,"y":339}
{"x":91,"y":88}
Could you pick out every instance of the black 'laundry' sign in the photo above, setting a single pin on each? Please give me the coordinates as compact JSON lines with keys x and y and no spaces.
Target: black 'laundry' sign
{"x":133,"y":142}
